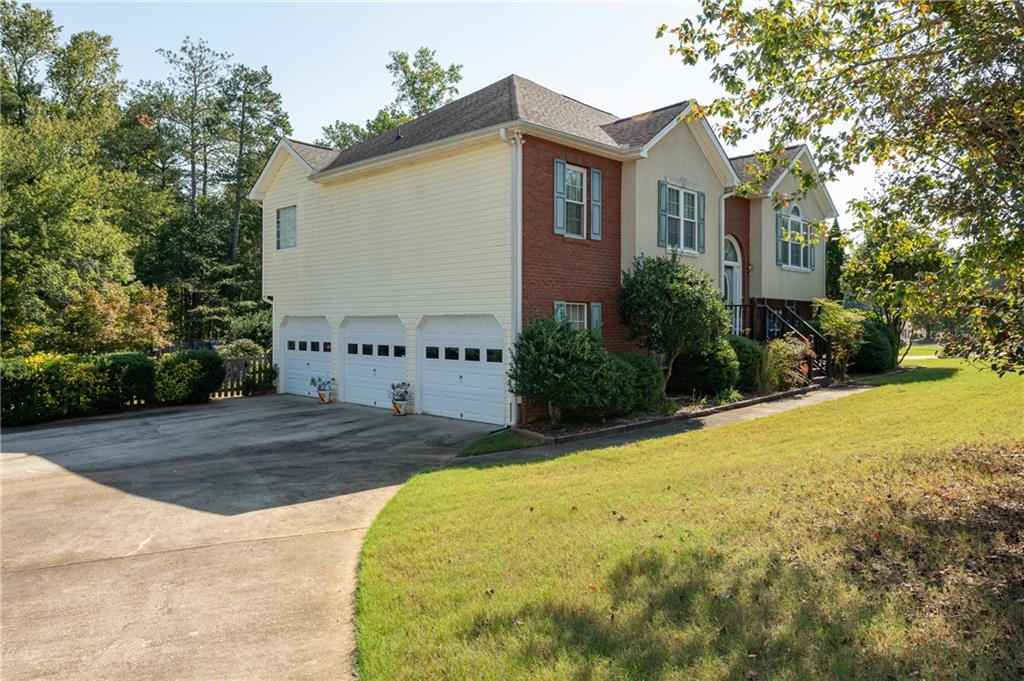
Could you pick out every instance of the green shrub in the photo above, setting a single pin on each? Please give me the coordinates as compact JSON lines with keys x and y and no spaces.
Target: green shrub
{"x":243,"y":347}
{"x":844,"y":328}
{"x":780,"y":369}
{"x":129,"y":376}
{"x":649,"y":383}
{"x":750,"y":355}
{"x":176,"y":381}
{"x":556,"y":366}
{"x":200,"y":382}
{"x":728,"y":396}
{"x":707,"y":372}
{"x":44,"y":387}
{"x":24,"y":397}
{"x":571,"y":373}
{"x":876,"y":352}
{"x":255,"y":326}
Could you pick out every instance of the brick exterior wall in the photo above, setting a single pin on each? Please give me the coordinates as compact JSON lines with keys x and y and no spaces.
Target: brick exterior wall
{"x":562,"y":268}
{"x":737,"y":225}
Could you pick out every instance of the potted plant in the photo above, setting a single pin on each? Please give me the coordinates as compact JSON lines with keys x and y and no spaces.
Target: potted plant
{"x":324,"y":388}
{"x":400,"y":398}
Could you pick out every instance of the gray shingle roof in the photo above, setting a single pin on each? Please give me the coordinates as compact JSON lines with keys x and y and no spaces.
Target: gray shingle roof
{"x":741,"y":163}
{"x":511,"y":99}
{"x":638,"y":130}
{"x":316,"y":156}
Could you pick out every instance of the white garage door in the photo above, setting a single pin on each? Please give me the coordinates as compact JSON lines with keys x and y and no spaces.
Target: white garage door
{"x":463,"y":368}
{"x":374,"y":352}
{"x":306,"y":352}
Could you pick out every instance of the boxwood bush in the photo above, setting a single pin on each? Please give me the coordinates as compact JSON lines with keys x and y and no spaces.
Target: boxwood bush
{"x":706,"y":372}
{"x":876,"y":352}
{"x":571,"y":373}
{"x":750,"y":355}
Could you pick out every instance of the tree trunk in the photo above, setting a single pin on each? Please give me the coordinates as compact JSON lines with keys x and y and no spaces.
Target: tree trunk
{"x":236,"y":216}
{"x":668,"y":374}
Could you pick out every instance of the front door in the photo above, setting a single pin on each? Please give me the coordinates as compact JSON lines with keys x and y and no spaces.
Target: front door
{"x":731,"y":289}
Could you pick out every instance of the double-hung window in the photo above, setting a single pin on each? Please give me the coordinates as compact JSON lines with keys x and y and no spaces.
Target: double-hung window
{"x":682,"y":219}
{"x":575,"y":202}
{"x":576,"y":314}
{"x":286,"y":227}
{"x":796,"y":250}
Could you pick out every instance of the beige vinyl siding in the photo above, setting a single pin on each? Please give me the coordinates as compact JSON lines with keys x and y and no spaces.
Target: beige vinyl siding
{"x":678,"y":155}
{"x":776,"y":281}
{"x":428,"y":237}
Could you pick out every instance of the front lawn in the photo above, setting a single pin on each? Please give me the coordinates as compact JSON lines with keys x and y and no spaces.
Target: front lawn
{"x":499,"y":441}
{"x":876,"y":536}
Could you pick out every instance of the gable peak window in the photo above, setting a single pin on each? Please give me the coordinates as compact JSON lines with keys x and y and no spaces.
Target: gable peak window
{"x":793,"y":247}
{"x":286,"y":228}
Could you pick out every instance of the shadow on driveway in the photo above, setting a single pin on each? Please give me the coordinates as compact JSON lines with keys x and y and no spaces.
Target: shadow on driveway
{"x":236,"y":456}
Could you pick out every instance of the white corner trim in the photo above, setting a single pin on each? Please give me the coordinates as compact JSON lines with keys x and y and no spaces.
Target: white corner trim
{"x":256,"y":194}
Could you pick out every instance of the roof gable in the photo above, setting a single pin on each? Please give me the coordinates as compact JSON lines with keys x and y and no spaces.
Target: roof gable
{"x":747,"y":164}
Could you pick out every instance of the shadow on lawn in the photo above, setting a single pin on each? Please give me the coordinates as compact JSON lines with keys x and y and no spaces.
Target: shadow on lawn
{"x":917,"y":374}
{"x":690,"y":612}
{"x":919,"y":590}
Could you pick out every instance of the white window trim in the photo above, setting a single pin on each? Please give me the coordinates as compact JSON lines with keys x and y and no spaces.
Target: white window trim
{"x":277,"y":228}
{"x":583,"y":173}
{"x":680,"y":249}
{"x":803,"y":228}
{"x":586,"y":313}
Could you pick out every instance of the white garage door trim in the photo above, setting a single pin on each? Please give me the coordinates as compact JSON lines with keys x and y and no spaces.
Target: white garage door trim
{"x":462,"y":372}
{"x":305,"y":353}
{"x":373,"y":357}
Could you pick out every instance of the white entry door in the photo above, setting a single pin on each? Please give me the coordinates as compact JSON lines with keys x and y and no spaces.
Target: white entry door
{"x":374,"y":358}
{"x":306,"y":353}
{"x":463,"y":368}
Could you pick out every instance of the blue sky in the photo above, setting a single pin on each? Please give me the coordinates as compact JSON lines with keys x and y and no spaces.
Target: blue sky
{"x":328,"y":60}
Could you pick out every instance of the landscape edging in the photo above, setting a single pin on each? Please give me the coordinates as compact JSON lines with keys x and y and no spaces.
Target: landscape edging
{"x":626,"y":427}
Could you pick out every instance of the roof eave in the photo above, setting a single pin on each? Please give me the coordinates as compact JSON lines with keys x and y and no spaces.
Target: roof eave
{"x":256,"y":193}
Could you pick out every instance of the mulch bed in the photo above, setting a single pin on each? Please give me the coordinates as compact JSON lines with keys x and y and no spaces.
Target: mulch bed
{"x":684,"y":409}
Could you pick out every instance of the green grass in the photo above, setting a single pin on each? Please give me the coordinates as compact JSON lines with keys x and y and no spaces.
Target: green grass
{"x":875,"y":536}
{"x":923,"y":350}
{"x":501,"y":441}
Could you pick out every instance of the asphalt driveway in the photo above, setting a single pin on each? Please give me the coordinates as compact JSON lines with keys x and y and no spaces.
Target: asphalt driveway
{"x":216,"y":541}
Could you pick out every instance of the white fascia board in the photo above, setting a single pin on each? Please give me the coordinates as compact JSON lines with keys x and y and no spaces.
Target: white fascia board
{"x":805,"y":151}
{"x":717,"y":154}
{"x":256,"y":194}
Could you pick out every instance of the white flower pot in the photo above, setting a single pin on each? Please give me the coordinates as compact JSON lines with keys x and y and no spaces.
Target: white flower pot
{"x":325,"y":396}
{"x":401,"y":408}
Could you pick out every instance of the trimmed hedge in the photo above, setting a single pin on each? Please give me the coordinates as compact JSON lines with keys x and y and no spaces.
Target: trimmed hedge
{"x":46,"y":387}
{"x":750,"y":355}
{"x":706,"y":373}
{"x":649,"y":382}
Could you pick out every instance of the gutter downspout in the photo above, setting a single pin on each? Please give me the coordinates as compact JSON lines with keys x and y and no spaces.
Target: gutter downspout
{"x":515,"y":139}
{"x":721,"y":246}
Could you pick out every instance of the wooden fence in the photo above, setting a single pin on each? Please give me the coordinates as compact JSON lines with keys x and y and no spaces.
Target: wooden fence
{"x":237,"y":369}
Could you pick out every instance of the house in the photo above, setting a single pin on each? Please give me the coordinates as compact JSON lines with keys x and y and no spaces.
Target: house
{"x":420,"y":254}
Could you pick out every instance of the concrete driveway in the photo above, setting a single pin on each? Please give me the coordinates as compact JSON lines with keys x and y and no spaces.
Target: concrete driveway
{"x":209,"y":542}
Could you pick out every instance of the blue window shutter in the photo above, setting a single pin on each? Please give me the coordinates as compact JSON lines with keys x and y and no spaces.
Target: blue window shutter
{"x":700,"y":222}
{"x":559,"y":196}
{"x":662,"y":214}
{"x":560,"y":311}
{"x":595,"y":317}
{"x":811,"y":236}
{"x":595,"y":204}
{"x":779,"y":242}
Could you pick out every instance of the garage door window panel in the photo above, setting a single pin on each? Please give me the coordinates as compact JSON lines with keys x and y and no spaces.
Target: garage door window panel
{"x":399,"y":351}
{"x":472,"y":354}
{"x":367,"y":348}
{"x":433,"y":352}
{"x":383,"y":351}
{"x":494,"y":355}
